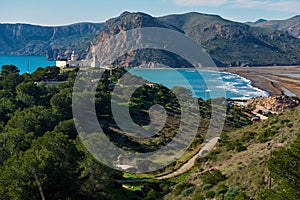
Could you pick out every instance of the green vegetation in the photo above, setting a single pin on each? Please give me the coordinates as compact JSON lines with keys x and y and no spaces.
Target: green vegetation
{"x":285,"y":170}
{"x":42,"y":157}
{"x":247,"y":171}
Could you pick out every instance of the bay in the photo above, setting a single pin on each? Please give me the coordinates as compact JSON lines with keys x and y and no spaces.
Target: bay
{"x":203,"y":84}
{"x":26,"y":63}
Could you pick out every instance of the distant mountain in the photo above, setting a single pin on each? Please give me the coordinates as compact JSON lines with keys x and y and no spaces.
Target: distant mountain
{"x":254,"y":23}
{"x":237,"y":44}
{"x":291,"y":25}
{"x":128,"y":21}
{"x":54,"y":42}
{"x":229,"y":43}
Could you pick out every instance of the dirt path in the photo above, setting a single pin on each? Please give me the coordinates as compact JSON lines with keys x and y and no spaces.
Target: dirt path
{"x":187,"y":166}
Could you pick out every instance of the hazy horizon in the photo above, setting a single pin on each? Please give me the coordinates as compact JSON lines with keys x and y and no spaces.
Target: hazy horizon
{"x":96,"y":22}
{"x":58,"y":13}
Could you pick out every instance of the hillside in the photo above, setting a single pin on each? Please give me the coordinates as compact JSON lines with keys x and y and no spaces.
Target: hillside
{"x":291,"y":25}
{"x":242,"y":158}
{"x":54,"y":42}
{"x":236,"y":44}
{"x":42,"y":155}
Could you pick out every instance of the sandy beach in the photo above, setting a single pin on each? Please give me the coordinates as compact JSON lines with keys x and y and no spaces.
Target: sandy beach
{"x":276,"y":80}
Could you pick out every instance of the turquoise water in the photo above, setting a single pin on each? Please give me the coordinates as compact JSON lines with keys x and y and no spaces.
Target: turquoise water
{"x":203,"y":84}
{"x":22,"y":62}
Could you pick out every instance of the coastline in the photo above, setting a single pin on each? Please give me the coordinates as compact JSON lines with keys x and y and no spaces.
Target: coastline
{"x":274,"y":80}
{"x":249,"y":82}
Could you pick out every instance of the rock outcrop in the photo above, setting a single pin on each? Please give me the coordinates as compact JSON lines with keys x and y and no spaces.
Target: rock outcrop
{"x":275,"y":103}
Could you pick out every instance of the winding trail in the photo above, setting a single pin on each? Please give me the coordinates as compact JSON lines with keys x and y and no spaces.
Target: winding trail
{"x":188,"y":165}
{"x":184,"y":168}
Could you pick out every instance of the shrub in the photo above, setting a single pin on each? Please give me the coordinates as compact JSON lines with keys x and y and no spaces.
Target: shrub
{"x":248,"y":136}
{"x":213,"y":177}
{"x":181,"y":186}
{"x":222,"y":189}
{"x":152,"y":195}
{"x":188,"y":191}
{"x":241,"y":196}
{"x":266,"y":135}
{"x":231,"y":193}
{"x":210,"y":194}
{"x":207,"y":186}
{"x":198,"y":195}
{"x":239,"y":147}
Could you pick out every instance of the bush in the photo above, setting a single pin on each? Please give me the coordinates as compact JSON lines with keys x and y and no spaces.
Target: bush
{"x":248,"y":136}
{"x":187,"y":191}
{"x":198,"y":195}
{"x":181,"y":186}
{"x":241,"y":196}
{"x":266,"y":135}
{"x":210,"y":194}
{"x":152,"y":195}
{"x":231,"y":193}
{"x":213,"y":177}
{"x":207,"y":186}
{"x":239,"y":148}
{"x":222,"y":189}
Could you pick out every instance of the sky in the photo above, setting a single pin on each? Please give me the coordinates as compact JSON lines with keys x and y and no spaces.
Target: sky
{"x":62,"y":12}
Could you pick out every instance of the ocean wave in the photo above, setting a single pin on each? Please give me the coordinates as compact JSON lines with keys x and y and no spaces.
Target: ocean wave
{"x":235,"y":86}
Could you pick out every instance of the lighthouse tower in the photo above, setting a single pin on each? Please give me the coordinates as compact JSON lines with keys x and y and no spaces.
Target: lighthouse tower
{"x":94,"y":59}
{"x":73,"y":56}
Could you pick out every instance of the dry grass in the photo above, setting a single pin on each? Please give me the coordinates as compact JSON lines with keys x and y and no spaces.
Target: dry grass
{"x":248,"y":169}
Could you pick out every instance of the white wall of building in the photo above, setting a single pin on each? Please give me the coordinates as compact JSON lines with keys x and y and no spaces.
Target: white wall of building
{"x":61,"y":64}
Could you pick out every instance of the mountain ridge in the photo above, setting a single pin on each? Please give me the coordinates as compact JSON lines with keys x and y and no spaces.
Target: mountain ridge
{"x":52,"y":41}
{"x":291,"y":25}
{"x":236,"y":44}
{"x":229,"y":43}
{"x":256,"y":22}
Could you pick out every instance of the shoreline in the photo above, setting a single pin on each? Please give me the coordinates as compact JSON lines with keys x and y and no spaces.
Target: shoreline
{"x":274,"y":80}
{"x":259,"y":83}
{"x":262,"y":91}
{"x":270,"y":79}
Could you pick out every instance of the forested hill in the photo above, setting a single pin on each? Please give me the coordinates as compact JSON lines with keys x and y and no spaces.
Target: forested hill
{"x":42,"y":156}
{"x":229,"y":43}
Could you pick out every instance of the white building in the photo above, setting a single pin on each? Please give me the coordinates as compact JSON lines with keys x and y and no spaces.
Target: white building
{"x":74,"y":62}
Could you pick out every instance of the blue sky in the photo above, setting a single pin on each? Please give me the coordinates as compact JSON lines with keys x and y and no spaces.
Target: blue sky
{"x":60,"y":12}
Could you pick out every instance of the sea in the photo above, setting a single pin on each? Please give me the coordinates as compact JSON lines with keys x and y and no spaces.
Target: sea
{"x":26,"y":63}
{"x":203,"y":84}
